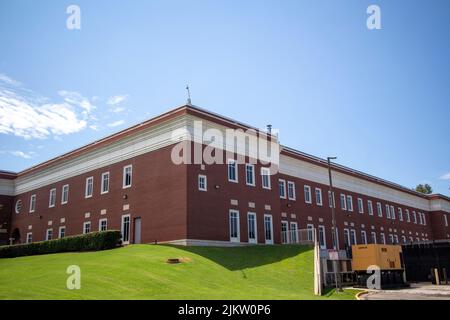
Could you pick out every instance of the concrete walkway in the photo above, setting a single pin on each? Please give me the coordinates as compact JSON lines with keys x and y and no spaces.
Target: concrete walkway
{"x":417,"y":291}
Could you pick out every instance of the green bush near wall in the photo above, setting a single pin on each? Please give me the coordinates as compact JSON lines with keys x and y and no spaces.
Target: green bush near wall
{"x":87,"y":242}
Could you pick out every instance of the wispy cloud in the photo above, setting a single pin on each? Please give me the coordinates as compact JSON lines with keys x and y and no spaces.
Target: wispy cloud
{"x":115,"y":100}
{"x":116,"y":123}
{"x":445,"y":176}
{"x":118,"y":109}
{"x":26,"y":114}
{"x":21,"y":154}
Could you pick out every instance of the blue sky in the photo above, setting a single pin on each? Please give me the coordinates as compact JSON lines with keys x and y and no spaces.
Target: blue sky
{"x":376,"y":99}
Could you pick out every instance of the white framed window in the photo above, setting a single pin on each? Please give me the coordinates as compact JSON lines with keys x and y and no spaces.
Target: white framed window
{"x":291,"y":190}
{"x":127,"y":176}
{"x":265,"y":178}
{"x":392,"y":213}
{"x":388,"y":212}
{"x":268,"y":229}
{"x":32,"y":203}
{"x":284,"y":232}
{"x":252,"y":228}
{"x":414,"y":217}
{"x":353,"y":237}
{"x":391,"y":239}
{"x":360,"y":205}
{"x":369,"y":207}
{"x":408,"y":217}
{"x":49,"y":234}
{"x":335,"y":237}
{"x":411,"y":239}
{"x":282,"y":188}
{"x":424,"y":220}
{"x":18,"y":206}
{"x":65,"y":194}
{"x":349,"y":203}
{"x":89,"y":190}
{"x":343,"y":202}
{"x":103,"y":224}
{"x":250,"y":174}
{"x":382,"y":238}
{"x":307,"y":193}
{"x":232,"y":171}
{"x":86,"y":227}
{"x":374,"y":237}
{"x":202,"y":182}
{"x":52,"y":198}
{"x":346,"y":238}
{"x":403,"y":239}
{"x":105,"y":183}
{"x":310,"y":232}
{"x":62,"y":232}
{"x":400,"y":214}
{"x":318,"y":193}
{"x":234,"y":226}
{"x":445,"y":219}
{"x":395,"y":239}
{"x":125,"y":228}
{"x":294,"y":232}
{"x":363,"y":237}
{"x":379,"y":210}
{"x":331,"y":200}
{"x":420,"y":217}
{"x":322,"y":237}
{"x":29,"y":237}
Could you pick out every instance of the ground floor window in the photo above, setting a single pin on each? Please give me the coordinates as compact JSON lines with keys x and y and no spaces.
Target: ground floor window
{"x":252,"y":233}
{"x":322,"y":239}
{"x":335,"y":238}
{"x":62,"y":232}
{"x":363,"y":237}
{"x":234,"y":226}
{"x":125,"y":228}
{"x":284,"y":232}
{"x":29,"y":237}
{"x":374,"y":237}
{"x":310,"y":233}
{"x":49,"y":234}
{"x":346,"y":238}
{"x":102,"y":224}
{"x":382,"y":238}
{"x":353,"y":237}
{"x":294,"y":232}
{"x":268,"y":229}
{"x":87,"y":227}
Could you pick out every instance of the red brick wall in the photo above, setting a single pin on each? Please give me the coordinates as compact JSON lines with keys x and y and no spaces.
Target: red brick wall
{"x":440,"y":230}
{"x":6,"y":209}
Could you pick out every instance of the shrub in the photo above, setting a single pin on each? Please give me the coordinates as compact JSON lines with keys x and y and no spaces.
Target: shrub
{"x":87,"y":242}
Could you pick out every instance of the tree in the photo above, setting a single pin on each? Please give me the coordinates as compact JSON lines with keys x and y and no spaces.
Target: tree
{"x":424,"y":188}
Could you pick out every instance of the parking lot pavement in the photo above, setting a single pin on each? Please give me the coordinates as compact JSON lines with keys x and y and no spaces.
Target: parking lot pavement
{"x":417,"y":291}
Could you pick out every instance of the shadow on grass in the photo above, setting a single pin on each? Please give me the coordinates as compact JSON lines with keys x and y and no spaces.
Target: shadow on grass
{"x":239,"y":258}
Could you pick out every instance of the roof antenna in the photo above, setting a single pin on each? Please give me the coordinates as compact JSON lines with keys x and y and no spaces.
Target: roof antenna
{"x":189,"y":102}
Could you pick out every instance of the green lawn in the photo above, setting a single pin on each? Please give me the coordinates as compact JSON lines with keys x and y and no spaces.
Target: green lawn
{"x":141,"y":272}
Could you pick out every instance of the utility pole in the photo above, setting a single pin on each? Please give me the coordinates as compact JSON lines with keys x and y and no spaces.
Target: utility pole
{"x":337,"y":276}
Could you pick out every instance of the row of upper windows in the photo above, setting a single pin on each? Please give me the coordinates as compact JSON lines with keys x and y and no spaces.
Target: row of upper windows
{"x":89,"y":189}
{"x":249,"y":174}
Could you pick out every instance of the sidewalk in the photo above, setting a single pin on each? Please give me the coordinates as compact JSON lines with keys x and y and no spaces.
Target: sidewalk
{"x":417,"y":291}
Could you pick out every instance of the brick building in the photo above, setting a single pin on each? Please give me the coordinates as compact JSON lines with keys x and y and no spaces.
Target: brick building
{"x":129,"y":182}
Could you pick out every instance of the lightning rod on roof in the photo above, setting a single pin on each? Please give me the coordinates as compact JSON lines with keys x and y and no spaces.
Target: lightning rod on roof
{"x":189,"y":102}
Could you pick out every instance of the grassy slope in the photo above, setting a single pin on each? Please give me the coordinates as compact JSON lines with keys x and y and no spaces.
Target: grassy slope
{"x":140,"y":272}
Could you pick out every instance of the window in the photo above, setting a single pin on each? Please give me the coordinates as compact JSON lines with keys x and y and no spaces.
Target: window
{"x":291,"y":190}
{"x":391,"y":239}
{"x":89,"y":187}
{"x":382,"y":238}
{"x":62,"y":232}
{"x":125,"y":228}
{"x":52,"y":198}
{"x":403,"y":239}
{"x":127,"y":176}
{"x":202,"y":186}
{"x":388,"y":212}
{"x":360,"y":205}
{"x":379,"y":209}
{"x":310,"y":232}
{"x":420,"y":217}
{"x":105,"y":183}
{"x":331,"y":202}
{"x":65,"y":194}
{"x":445,"y":220}
{"x":392,"y":213}
{"x":395,"y":239}
{"x":250,"y":174}
{"x":268,"y":229}
{"x":18,"y":206}
{"x":318,"y":196}
{"x":335,"y":237}
{"x":363,"y":237}
{"x":49,"y":234}
{"x":103,"y":224}
{"x":307,"y":192}
{"x":374,"y":237}
{"x":294,"y":232}
{"x":408,"y":218}
{"x":369,"y":207}
{"x":349,"y":203}
{"x":423,"y":219}
{"x":86,"y":227}
{"x":346,"y":238}
{"x":284,"y":232}
{"x":343,"y":202}
{"x":282,"y":188}
{"x":232,"y":171}
{"x":252,"y":229}
{"x":400,"y":214}
{"x":265,"y":178}
{"x":353,"y":237}
{"x":234,"y":226}
{"x":414,"y":217}
{"x":32,"y":203}
{"x":29,"y":237}
{"x":322,"y":238}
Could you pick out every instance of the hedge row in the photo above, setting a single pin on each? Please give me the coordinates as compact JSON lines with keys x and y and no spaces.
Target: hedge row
{"x":87,"y":242}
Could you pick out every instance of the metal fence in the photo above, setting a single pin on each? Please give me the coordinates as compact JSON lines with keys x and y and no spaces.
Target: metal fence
{"x":298,"y":236}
